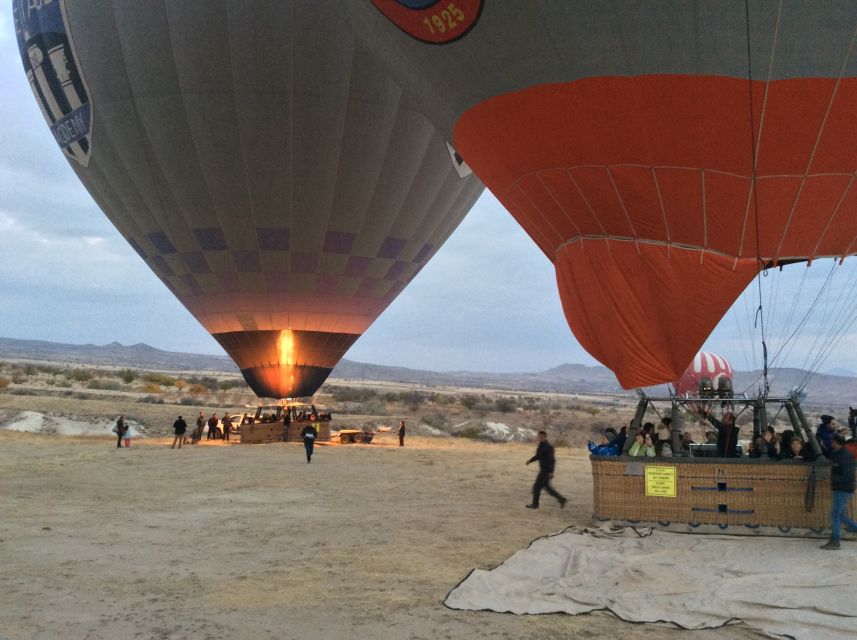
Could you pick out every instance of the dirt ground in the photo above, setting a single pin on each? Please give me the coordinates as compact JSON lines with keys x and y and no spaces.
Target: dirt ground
{"x":249,"y":541}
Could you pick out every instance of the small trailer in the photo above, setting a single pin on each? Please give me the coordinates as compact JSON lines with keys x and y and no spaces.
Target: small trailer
{"x":352,"y":436}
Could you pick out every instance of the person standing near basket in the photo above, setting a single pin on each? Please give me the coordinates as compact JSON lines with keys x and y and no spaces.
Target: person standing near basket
{"x":842,"y":484}
{"x":547,"y":464}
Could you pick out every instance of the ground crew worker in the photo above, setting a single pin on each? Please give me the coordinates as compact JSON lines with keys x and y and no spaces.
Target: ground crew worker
{"x":180,"y":428}
{"x":547,"y":463}
{"x":401,"y":433}
{"x":309,"y":434}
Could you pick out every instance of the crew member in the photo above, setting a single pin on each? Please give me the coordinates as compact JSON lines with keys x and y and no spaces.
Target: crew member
{"x":547,"y":463}
{"x":308,"y":434}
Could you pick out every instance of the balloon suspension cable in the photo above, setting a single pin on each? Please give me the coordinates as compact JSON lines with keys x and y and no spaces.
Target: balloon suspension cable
{"x":760,"y":315}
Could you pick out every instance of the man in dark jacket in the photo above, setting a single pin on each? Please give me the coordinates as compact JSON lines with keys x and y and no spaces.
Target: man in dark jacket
{"x":180,"y":428}
{"x":727,"y":434}
{"x":547,"y":463}
{"x":308,"y":434}
{"x":401,"y":433}
{"x":120,"y":430}
{"x":824,"y":434}
{"x":842,"y":483}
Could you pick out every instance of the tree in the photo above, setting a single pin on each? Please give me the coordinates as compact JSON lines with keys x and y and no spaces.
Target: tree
{"x":128,"y":375}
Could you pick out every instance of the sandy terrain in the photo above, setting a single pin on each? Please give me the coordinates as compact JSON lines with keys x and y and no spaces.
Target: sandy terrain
{"x":231,"y":541}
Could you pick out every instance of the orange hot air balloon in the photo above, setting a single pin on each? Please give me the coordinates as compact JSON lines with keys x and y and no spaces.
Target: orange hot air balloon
{"x":258,"y":156}
{"x":660,"y":154}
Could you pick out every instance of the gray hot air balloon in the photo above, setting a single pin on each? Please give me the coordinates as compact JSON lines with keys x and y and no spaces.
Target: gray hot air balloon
{"x":258,"y":157}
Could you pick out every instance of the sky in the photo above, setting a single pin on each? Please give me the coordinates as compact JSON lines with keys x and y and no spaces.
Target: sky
{"x":487,"y":301}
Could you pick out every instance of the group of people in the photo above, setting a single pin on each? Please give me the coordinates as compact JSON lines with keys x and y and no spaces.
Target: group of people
{"x":218,"y":428}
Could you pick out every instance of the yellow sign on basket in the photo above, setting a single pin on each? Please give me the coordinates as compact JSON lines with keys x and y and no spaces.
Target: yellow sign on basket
{"x":660,"y":481}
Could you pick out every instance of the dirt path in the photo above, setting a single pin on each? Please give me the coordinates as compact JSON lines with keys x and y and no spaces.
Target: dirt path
{"x":249,"y":542}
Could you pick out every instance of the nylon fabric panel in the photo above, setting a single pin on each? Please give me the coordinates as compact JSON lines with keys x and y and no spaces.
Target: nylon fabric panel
{"x":640,"y":309}
{"x":264,"y":163}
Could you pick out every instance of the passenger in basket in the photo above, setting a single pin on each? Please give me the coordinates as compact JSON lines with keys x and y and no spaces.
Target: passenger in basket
{"x":797,"y":451}
{"x":758,"y":448}
{"x":824,"y":434}
{"x":727,"y":433}
{"x":605,"y":446}
{"x":664,"y":446}
{"x":642,"y":446}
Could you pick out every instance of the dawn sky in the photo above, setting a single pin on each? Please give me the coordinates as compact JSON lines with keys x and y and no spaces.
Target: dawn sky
{"x":487,"y":301}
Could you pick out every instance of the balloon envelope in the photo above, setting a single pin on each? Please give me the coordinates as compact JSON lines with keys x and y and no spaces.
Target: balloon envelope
{"x":258,"y":156}
{"x":659,"y":154}
{"x":704,"y":365}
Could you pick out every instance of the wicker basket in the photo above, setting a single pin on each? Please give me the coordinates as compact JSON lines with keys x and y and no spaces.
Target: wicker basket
{"x":728,"y":493}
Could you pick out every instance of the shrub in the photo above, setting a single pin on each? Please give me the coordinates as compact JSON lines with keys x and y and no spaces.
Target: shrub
{"x":187,"y":401}
{"x":4,"y":382}
{"x":160,"y":379}
{"x":436,"y":420}
{"x":151,"y":387}
{"x":128,"y":375}
{"x":471,"y":431}
{"x":108,"y":385}
{"x":505,"y":405}
{"x":198,"y":389}
{"x":468,"y":402}
{"x":151,"y":400}
{"x":80,"y":375}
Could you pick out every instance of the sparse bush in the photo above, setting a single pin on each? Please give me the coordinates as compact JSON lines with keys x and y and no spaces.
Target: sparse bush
{"x":151,"y":387}
{"x":80,"y":375}
{"x":468,"y":402}
{"x":23,"y":392}
{"x":128,"y":375}
{"x":4,"y":382}
{"x":505,"y":405}
{"x":187,"y":401}
{"x":181,"y":385}
{"x":436,"y":420}
{"x":107,"y":385}
{"x":30,"y":370}
{"x":160,"y":379}
{"x":198,"y":389}
{"x":151,"y":400}
{"x":226,"y":385}
{"x":471,"y":431}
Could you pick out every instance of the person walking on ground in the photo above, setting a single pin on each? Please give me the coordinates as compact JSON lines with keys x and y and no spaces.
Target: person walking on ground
{"x":200,"y":425}
{"x":547,"y":463}
{"x":308,"y":434}
{"x":401,"y":433}
{"x":119,"y":430}
{"x":180,"y":428}
{"x":842,"y":483}
{"x":212,"y":427}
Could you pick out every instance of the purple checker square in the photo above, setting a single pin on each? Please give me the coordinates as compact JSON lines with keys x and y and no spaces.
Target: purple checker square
{"x":304,"y":262}
{"x":395,"y":270}
{"x":164,"y":270}
{"x":367,"y":286}
{"x":391,"y":248}
{"x":357,"y":265}
{"x":424,"y":253}
{"x":192,"y":284}
{"x":394,"y":290}
{"x":229,"y":282}
{"x":273,"y":238}
{"x":210,"y":239}
{"x":137,"y":248}
{"x":196,"y":262}
{"x":247,"y":261}
{"x":326,"y":284}
{"x":162,"y":242}
{"x":339,"y":242}
{"x":276,"y":283}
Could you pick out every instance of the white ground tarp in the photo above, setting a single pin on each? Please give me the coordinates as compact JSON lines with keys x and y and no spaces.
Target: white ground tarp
{"x":786,"y":588}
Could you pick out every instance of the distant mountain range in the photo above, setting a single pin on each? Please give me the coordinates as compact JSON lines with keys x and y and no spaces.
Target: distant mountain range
{"x":826,"y":389}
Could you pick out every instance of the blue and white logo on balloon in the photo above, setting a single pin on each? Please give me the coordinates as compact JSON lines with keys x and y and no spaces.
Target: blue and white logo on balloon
{"x":47,"y":52}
